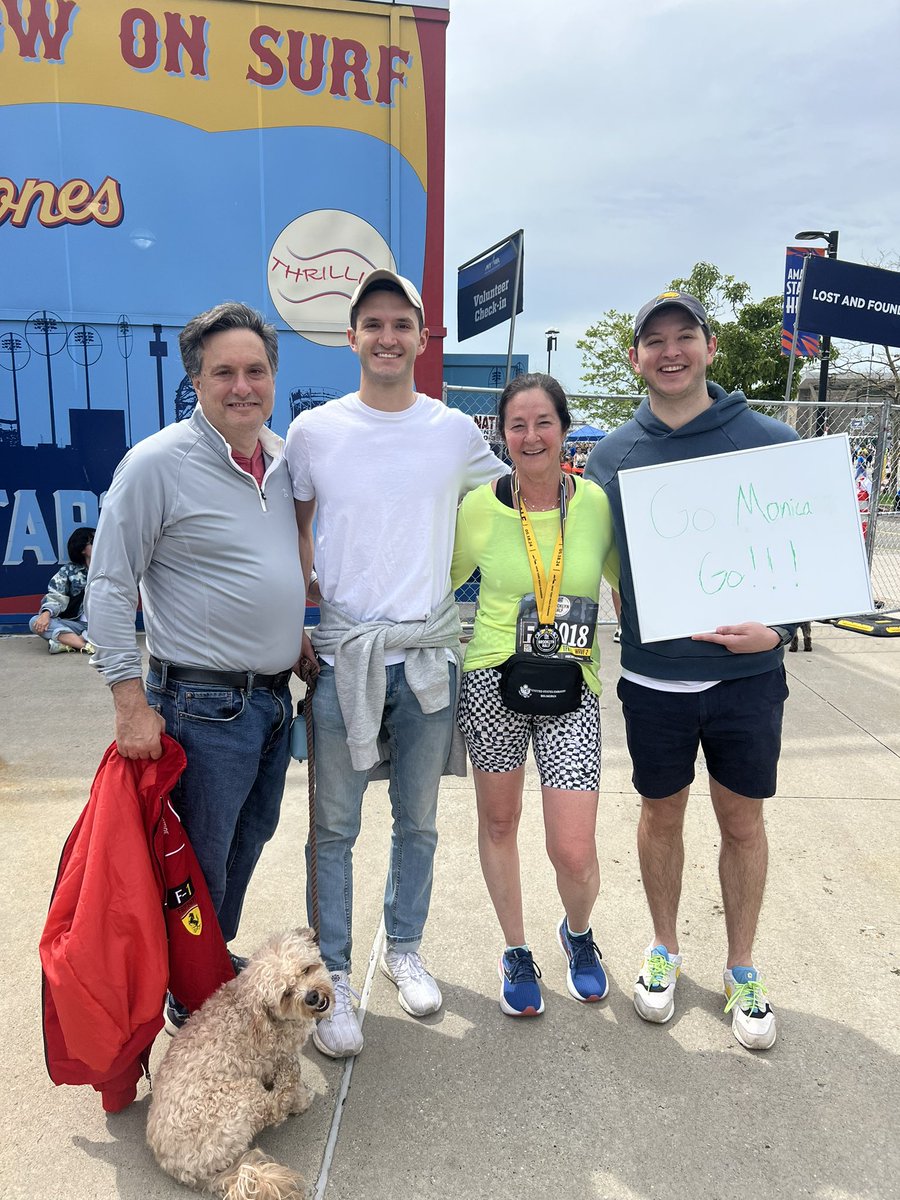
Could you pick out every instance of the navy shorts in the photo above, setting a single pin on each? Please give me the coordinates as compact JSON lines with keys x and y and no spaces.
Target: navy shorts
{"x":737,"y":723}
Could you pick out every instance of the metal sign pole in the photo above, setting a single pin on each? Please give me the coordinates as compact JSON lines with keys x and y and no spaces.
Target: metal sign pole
{"x":515,"y":303}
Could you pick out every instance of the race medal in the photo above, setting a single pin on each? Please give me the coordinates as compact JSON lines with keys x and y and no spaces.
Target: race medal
{"x":546,"y":640}
{"x":575,"y":626}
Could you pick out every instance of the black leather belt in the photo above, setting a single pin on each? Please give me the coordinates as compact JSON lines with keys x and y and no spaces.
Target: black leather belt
{"x":246,"y":681}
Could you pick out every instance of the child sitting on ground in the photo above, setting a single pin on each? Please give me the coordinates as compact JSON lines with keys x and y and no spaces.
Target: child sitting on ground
{"x":61,"y":618}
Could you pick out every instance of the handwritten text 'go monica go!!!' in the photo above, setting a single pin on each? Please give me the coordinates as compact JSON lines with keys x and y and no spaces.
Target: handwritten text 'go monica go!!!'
{"x":769,"y":558}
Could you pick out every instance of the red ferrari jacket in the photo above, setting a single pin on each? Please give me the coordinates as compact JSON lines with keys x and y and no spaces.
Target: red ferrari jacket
{"x":130,"y":916}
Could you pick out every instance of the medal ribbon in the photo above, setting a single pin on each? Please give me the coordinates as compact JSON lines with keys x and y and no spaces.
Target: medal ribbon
{"x":546,"y":587}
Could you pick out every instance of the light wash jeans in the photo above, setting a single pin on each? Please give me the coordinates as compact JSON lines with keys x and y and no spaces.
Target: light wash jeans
{"x":59,"y":625}
{"x":419,"y":744}
{"x":229,"y":798}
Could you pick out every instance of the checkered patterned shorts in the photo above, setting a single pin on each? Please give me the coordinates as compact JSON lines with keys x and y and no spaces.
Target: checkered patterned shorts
{"x":566,"y":748}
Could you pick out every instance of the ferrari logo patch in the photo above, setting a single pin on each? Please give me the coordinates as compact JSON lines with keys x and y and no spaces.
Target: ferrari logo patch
{"x":192,"y":921}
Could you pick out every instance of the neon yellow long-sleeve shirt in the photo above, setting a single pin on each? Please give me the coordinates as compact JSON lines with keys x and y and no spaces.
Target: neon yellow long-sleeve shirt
{"x":489,"y":536}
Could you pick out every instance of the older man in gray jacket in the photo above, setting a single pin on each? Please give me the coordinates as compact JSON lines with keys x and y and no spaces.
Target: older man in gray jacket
{"x":199,"y":520}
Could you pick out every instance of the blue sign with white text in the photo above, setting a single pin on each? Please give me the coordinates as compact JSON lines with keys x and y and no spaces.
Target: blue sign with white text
{"x":485,"y":289}
{"x":847,"y":300}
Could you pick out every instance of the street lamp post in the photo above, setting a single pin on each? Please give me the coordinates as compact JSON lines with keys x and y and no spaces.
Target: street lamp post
{"x":552,"y":335}
{"x":812,"y":235}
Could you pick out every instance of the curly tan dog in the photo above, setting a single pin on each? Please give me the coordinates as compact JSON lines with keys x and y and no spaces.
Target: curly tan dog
{"x":235,"y":1068}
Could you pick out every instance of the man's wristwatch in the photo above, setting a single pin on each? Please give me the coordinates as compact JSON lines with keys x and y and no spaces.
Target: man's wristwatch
{"x":784,"y":635}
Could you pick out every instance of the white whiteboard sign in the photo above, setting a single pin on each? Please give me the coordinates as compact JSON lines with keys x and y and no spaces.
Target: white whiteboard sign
{"x":771,"y":535}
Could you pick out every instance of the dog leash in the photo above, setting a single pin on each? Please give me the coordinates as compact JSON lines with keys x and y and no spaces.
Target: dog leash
{"x":309,"y":673}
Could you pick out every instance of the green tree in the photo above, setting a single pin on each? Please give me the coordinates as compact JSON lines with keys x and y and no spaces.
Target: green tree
{"x":748,"y":356}
{"x":606,"y":369}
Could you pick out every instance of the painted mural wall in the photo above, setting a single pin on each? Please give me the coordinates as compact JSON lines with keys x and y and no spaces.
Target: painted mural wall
{"x":157,"y":162}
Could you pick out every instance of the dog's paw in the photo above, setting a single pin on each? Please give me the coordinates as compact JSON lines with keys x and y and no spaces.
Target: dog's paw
{"x":299,"y":1099}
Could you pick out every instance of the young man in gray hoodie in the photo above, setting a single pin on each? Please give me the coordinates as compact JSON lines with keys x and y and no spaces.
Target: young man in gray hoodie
{"x":722,"y":690}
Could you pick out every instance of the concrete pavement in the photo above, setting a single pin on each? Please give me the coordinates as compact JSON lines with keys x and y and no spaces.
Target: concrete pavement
{"x":586,"y":1101}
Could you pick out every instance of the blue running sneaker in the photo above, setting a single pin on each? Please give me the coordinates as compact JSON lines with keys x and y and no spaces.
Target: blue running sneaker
{"x":752,"y":1019}
{"x":520,"y":995}
{"x":585,"y":978}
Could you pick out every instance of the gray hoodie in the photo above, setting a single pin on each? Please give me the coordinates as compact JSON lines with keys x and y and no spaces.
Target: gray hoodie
{"x":359,"y":650}
{"x":728,"y":424}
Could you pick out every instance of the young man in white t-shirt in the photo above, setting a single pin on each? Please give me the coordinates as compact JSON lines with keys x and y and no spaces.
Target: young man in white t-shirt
{"x":383,"y":470}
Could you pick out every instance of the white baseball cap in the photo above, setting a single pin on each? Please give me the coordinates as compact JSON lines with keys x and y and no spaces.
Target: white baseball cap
{"x":382,"y":273}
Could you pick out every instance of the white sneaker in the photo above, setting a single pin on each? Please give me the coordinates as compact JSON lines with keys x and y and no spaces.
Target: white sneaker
{"x":339,"y":1036}
{"x":56,"y":647}
{"x":418,"y":992}
{"x":654,"y":988}
{"x":752,"y":1019}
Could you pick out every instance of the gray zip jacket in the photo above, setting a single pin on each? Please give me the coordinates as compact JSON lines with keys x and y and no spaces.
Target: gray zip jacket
{"x":215,"y":557}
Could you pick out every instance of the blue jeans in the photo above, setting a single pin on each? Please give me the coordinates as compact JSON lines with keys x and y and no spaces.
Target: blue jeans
{"x":229,"y":798}
{"x":419,"y":744}
{"x":59,"y":625}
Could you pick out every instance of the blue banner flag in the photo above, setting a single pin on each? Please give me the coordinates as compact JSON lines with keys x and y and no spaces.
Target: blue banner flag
{"x":848,"y":300}
{"x":807,"y":343}
{"x":485,"y":289}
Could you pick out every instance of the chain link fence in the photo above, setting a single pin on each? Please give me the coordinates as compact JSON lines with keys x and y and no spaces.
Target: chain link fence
{"x":873,"y":427}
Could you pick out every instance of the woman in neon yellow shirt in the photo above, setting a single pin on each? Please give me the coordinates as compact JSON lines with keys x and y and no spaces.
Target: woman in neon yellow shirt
{"x":541,"y":539}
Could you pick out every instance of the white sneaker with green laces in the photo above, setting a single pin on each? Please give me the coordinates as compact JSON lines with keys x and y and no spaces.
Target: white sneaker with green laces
{"x":417,"y":989}
{"x":654,"y":988}
{"x":752,"y":1019}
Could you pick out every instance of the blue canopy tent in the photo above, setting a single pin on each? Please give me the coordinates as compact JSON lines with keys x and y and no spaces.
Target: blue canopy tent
{"x":585,"y":433}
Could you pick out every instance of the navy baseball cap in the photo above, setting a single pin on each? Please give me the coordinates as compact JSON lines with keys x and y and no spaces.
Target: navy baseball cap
{"x":670,"y":300}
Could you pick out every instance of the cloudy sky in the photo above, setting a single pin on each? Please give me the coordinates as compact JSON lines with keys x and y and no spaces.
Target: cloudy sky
{"x":632,"y":139}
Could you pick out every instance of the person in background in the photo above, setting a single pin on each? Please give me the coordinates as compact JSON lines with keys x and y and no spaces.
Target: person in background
{"x":61,"y":618}
{"x":617,"y":608}
{"x":566,"y":522}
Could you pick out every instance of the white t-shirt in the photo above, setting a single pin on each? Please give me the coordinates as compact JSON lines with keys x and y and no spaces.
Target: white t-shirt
{"x":669,"y":685}
{"x":387,"y":485}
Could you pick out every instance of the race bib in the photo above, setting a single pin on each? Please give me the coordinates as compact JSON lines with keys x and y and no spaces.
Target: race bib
{"x":574,"y":628}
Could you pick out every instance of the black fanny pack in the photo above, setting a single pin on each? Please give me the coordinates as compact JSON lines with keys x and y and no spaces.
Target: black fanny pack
{"x":540,"y":687}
